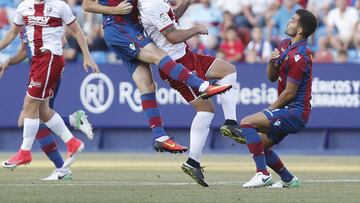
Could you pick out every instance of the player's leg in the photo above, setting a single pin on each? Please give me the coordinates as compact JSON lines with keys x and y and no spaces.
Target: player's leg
{"x":77,"y":120}
{"x":199,"y":132}
{"x":55,"y":123}
{"x":142,"y":76}
{"x":249,"y":126}
{"x":31,"y":126}
{"x":225,"y":73}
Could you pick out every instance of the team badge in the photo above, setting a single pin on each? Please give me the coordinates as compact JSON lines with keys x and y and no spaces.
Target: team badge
{"x":140,"y":37}
{"x":48,"y":10}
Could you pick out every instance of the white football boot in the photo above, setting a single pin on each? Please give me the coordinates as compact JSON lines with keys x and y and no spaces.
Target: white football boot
{"x":294,"y":183}
{"x":259,"y":180}
{"x":83,"y":124}
{"x":60,"y":174}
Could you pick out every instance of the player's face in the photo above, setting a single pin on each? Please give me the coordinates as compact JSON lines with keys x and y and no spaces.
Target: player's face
{"x":293,"y":26}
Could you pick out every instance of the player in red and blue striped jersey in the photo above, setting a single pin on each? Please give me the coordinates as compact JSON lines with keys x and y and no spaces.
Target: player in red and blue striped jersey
{"x":291,"y":66}
{"x":124,"y":35}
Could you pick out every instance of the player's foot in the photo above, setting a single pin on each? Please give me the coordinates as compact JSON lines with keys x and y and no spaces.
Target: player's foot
{"x":234,"y":132}
{"x":259,"y":180}
{"x":294,"y":183}
{"x":74,"y":146}
{"x":60,"y":174}
{"x":214,"y":90}
{"x":169,"y":145}
{"x":195,"y":173}
{"x":83,"y":124}
{"x":22,"y":157}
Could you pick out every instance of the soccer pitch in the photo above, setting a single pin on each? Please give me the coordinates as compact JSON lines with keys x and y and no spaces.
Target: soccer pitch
{"x":105,"y":177}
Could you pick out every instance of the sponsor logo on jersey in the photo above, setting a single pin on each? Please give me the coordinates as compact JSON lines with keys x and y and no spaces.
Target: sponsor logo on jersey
{"x":38,"y":20}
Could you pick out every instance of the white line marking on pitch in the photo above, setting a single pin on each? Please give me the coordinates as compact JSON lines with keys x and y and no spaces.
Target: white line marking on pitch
{"x":112,"y":183}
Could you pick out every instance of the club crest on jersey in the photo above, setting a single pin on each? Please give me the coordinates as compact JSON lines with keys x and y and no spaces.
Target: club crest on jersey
{"x":163,"y":17}
{"x":140,"y":37}
{"x":48,"y":10}
{"x":38,"y":20}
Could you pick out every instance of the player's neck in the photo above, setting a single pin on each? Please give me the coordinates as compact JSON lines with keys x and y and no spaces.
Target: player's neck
{"x":296,"y":39}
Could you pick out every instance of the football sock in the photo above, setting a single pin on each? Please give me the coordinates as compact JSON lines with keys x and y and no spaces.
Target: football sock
{"x":48,"y":146}
{"x":228,"y":101}
{"x":275,"y":163}
{"x":253,"y":142}
{"x":57,"y":125}
{"x":199,"y":132}
{"x":31,"y":127}
{"x":152,"y":113}
{"x":179,"y":73}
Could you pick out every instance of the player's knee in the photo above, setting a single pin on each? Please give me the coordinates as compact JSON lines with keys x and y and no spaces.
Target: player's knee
{"x":245,"y":121}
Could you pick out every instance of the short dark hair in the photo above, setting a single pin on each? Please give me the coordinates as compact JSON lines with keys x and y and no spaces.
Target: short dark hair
{"x":308,"y":22}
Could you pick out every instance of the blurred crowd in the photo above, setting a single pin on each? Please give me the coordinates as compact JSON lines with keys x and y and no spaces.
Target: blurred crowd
{"x":239,"y":30}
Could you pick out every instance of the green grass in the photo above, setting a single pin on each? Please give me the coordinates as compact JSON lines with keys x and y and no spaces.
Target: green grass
{"x":158,"y":178}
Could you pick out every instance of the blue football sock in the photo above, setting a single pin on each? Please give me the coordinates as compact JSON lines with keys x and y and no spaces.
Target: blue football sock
{"x":48,"y":145}
{"x":253,"y":142}
{"x":152,"y":113}
{"x":275,"y":163}
{"x":178,"y":72}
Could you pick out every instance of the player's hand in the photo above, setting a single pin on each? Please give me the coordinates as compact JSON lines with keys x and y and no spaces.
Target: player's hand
{"x":3,"y":68}
{"x":274,"y":55}
{"x":88,"y":62}
{"x":123,"y":8}
{"x":202,"y":30}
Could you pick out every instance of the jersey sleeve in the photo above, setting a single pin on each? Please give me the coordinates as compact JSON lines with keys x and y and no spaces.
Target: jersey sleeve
{"x":66,"y":14}
{"x":158,"y":14}
{"x":296,"y":68}
{"x":18,"y":18}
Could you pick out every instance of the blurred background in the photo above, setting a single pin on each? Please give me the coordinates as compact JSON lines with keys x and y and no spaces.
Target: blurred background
{"x":243,"y":32}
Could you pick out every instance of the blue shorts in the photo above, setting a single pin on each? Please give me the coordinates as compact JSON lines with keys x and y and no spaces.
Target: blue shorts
{"x":283,"y":122}
{"x":126,"y":42}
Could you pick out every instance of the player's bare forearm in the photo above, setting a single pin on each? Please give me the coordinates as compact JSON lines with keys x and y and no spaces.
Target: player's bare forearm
{"x":175,"y":36}
{"x":180,"y":9}
{"x":284,"y":99}
{"x":94,"y":7}
{"x":80,"y":38}
{"x":19,"y":57}
{"x":10,"y":36}
{"x":286,"y":96}
{"x":272,"y":71}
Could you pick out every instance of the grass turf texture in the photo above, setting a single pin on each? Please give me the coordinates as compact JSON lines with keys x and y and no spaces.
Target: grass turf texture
{"x":104,"y":177}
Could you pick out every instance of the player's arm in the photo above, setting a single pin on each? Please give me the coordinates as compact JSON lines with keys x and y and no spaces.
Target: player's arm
{"x":272,"y":66}
{"x":175,"y":36}
{"x":286,"y":96}
{"x":20,"y":56}
{"x":94,"y":7}
{"x":80,"y":38}
{"x":296,"y":70}
{"x":10,"y":36}
{"x":180,"y":9}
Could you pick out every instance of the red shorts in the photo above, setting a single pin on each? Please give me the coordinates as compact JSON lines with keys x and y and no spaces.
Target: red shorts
{"x":199,"y":64}
{"x":45,"y":72}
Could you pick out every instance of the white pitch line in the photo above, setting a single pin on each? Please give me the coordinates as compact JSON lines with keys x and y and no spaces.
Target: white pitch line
{"x":112,"y":183}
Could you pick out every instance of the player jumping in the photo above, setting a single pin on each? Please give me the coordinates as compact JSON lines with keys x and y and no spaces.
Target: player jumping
{"x":291,"y":65}
{"x":160,"y":23}
{"x":123,"y":35}
{"x":42,"y":22}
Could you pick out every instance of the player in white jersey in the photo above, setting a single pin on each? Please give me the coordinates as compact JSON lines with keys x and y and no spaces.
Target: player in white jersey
{"x":42,"y":21}
{"x":161,"y":25}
